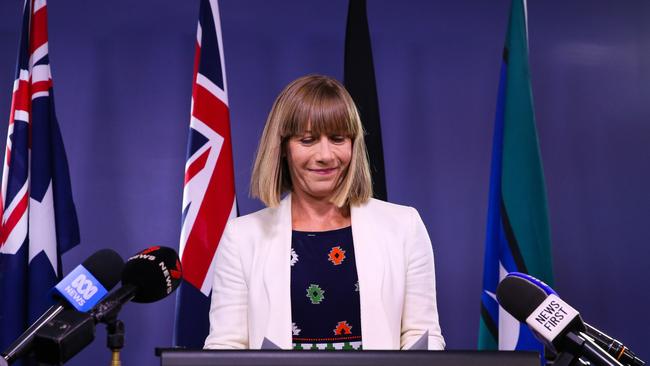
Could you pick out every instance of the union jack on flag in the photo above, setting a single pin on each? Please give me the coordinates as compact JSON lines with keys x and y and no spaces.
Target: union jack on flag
{"x":209,"y":193}
{"x":39,"y":221}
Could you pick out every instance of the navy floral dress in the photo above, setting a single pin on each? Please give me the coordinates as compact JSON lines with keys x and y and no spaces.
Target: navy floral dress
{"x":325,"y":308}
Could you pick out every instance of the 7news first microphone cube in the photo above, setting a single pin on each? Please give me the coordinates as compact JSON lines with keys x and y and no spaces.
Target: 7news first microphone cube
{"x":64,"y":336}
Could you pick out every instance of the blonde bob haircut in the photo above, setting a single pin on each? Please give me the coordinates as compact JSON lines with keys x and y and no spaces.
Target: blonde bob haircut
{"x":321,"y":105}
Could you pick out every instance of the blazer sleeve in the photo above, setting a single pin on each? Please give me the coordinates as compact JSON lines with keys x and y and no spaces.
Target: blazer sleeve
{"x":420,"y":311}
{"x":229,"y":304}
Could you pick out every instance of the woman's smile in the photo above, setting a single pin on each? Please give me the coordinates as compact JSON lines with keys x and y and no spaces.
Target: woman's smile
{"x":323,"y":171}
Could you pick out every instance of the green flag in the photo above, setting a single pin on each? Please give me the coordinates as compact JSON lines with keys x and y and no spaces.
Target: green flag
{"x":518,"y":234}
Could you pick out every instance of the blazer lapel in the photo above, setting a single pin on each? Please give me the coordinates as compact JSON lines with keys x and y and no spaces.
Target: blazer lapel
{"x":368,"y":249}
{"x":277,"y":278}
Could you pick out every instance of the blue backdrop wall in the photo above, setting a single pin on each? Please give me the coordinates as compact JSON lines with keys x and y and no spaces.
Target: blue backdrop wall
{"x":122,"y":78}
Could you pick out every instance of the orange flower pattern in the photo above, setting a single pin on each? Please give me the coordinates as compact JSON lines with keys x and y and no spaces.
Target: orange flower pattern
{"x":336,"y":255}
{"x":343,"y":328}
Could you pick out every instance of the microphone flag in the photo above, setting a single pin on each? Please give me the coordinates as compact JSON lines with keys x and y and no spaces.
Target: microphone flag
{"x":39,"y":220}
{"x":209,"y":192}
{"x":518,"y":234}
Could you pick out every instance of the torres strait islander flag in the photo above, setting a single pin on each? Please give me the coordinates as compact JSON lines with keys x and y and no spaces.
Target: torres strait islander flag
{"x":39,"y":221}
{"x":518,"y":234}
{"x":209,"y":193}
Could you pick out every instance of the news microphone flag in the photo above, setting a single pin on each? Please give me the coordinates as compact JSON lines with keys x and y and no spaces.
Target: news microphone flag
{"x":81,"y":289}
{"x":518,"y":235}
{"x":39,"y":221}
{"x":359,"y":80}
{"x":209,"y":193}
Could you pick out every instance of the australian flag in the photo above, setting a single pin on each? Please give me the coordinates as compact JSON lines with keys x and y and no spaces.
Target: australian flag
{"x":209,"y":193}
{"x":39,"y":221}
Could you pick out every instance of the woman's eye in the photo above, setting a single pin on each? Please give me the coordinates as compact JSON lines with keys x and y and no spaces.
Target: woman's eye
{"x":307,"y":140}
{"x":337,"y":138}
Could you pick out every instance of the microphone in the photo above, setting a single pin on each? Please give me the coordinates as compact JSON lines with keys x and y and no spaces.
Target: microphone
{"x":81,"y":289}
{"x":148,"y":276}
{"x":536,"y":292}
{"x":614,"y":347}
{"x":553,"y":321}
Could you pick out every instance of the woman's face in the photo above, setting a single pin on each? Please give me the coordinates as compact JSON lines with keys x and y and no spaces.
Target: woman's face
{"x":317,"y":163}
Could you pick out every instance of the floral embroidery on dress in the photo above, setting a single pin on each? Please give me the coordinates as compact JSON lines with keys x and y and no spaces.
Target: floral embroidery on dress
{"x":315,"y":294}
{"x":343,"y":328}
{"x":336,"y":255}
{"x":294,"y":257}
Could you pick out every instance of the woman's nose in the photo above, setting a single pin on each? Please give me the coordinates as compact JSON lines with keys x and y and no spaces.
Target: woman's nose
{"x":324,"y":149}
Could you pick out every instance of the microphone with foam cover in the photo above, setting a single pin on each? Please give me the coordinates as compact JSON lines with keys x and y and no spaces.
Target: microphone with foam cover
{"x":81,"y":289}
{"x":148,"y":276}
{"x":554,"y":322}
{"x":155,"y":272}
{"x":520,"y":294}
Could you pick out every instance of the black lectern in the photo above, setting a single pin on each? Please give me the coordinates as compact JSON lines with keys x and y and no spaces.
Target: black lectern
{"x":181,"y":357}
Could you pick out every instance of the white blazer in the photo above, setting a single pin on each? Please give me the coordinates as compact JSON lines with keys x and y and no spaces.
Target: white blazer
{"x":251,"y":298}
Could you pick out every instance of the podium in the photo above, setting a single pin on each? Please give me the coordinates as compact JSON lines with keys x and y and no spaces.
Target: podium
{"x":183,"y":357}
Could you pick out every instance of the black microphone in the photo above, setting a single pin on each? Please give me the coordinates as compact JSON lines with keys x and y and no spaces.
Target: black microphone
{"x":537,"y":291}
{"x":148,"y":276}
{"x":554,"y":322}
{"x":82,"y":288}
{"x":614,"y":347}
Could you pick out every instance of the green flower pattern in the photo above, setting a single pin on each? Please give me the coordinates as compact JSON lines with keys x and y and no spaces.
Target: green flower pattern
{"x":315,"y":294}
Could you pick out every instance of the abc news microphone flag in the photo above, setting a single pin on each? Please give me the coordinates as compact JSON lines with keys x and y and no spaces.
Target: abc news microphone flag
{"x":518,"y":237}
{"x":39,"y":221}
{"x":209,"y":193}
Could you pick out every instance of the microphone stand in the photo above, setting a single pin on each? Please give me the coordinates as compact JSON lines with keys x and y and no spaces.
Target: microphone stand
{"x":115,"y":339}
{"x":582,"y":350}
{"x":568,"y":359}
{"x":106,"y":312}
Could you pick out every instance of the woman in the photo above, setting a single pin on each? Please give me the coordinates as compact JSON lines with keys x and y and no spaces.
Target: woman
{"x":327,"y":267}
